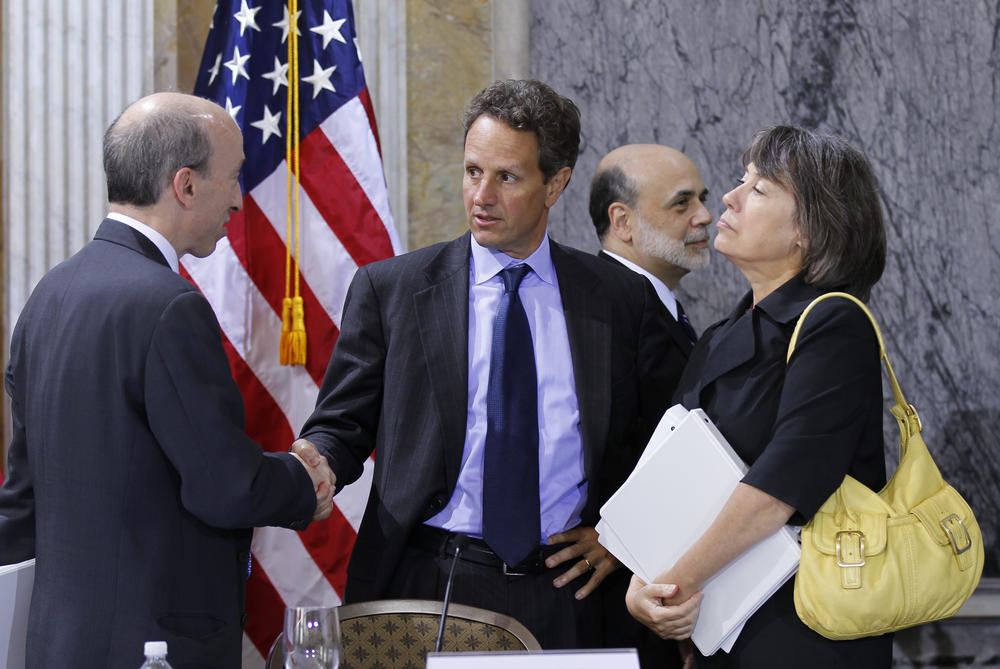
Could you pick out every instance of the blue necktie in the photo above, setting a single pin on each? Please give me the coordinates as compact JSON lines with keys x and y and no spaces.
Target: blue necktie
{"x":682,"y":319}
{"x":511,"y":517}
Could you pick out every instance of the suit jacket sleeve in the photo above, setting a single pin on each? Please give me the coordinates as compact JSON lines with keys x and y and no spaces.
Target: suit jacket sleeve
{"x":345,"y":422}
{"x":196,"y":413}
{"x":832,"y":385}
{"x":17,"y":499}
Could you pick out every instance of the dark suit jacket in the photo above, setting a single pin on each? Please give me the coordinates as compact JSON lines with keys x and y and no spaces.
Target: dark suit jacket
{"x":677,"y":334}
{"x":801,"y":427}
{"x":621,"y":630}
{"x":130,"y":477}
{"x":398,"y":382}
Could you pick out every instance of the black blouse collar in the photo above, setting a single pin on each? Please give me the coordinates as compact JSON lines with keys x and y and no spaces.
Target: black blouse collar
{"x":786,"y":303}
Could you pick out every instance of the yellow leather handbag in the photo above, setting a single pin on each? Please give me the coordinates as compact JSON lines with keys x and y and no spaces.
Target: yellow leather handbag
{"x":874,"y":563}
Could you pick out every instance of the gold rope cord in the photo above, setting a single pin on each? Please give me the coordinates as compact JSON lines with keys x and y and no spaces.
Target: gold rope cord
{"x":293,"y":328}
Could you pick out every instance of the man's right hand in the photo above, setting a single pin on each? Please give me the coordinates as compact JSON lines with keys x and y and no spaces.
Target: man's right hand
{"x":323,"y":479}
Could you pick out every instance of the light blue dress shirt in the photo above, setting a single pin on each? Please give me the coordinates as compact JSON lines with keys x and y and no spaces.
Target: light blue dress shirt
{"x":563,"y":488}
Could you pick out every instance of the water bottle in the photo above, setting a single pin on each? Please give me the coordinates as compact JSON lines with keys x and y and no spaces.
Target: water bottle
{"x":156,"y":655}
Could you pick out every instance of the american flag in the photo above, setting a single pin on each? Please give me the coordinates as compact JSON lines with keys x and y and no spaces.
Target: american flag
{"x":345,"y":223}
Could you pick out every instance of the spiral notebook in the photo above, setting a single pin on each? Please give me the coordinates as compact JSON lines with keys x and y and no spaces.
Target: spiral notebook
{"x":681,"y":482}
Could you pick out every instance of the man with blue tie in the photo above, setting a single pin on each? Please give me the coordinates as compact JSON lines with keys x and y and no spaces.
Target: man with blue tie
{"x":506,"y":384}
{"x":647,"y":203}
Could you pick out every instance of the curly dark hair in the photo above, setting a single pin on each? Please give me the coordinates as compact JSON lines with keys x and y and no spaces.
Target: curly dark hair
{"x":837,"y":204}
{"x":528,"y":104}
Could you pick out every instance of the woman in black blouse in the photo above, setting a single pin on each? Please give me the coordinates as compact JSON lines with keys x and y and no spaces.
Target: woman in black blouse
{"x":805,"y":219}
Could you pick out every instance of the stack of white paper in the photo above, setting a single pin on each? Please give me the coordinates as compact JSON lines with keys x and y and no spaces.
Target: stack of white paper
{"x":16,"y":581}
{"x":683,"y":479}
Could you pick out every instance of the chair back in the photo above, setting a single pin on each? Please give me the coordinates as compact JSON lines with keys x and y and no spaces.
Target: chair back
{"x":398,"y":633}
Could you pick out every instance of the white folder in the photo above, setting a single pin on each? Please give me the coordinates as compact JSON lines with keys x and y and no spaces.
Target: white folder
{"x":16,"y":581}
{"x":680,"y":484}
{"x":595,"y":658}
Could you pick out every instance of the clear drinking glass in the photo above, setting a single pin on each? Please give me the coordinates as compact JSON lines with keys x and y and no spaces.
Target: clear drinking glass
{"x":312,"y":637}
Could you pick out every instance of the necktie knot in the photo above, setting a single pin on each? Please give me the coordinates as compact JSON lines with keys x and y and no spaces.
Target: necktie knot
{"x":512,"y":277}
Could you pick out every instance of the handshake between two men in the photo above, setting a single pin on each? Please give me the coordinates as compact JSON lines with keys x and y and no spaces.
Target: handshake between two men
{"x":323,"y":479}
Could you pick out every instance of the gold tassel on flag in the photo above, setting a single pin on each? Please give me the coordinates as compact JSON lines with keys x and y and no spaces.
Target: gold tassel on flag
{"x":293,"y":325}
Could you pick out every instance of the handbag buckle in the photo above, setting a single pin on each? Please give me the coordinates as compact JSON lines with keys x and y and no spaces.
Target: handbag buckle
{"x":860,"y":562}
{"x":946,"y":523}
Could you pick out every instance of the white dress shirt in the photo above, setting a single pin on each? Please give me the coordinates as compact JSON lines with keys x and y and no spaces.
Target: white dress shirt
{"x":152,"y":235}
{"x":665,"y":294}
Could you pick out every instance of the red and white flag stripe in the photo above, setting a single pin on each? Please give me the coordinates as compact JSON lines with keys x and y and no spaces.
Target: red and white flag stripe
{"x":345,"y":223}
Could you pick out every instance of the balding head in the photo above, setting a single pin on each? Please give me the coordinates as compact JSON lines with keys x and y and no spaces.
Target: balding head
{"x":171,"y":103}
{"x":173,"y":162}
{"x":647,"y":205}
{"x":627,"y":171}
{"x":153,"y":138}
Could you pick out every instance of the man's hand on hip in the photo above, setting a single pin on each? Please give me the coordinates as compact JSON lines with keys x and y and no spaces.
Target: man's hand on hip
{"x":592,"y":557}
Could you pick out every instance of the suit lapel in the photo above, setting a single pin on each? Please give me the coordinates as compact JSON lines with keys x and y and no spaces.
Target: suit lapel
{"x":442,"y":314}
{"x":117,"y":232}
{"x":588,"y":322}
{"x":732,"y":342}
{"x":676,"y":332}
{"x":731,"y":347}
{"x":722,"y":348}
{"x":679,"y":336}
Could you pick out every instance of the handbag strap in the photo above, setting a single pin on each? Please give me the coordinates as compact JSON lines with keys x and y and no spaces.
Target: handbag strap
{"x":906,"y":415}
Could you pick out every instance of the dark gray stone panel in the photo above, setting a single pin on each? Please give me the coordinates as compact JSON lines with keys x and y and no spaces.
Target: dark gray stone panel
{"x":914,"y":84}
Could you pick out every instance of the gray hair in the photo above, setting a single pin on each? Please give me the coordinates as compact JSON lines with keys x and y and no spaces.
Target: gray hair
{"x":142,"y":155}
{"x":610,"y":185}
{"x":837,"y":204}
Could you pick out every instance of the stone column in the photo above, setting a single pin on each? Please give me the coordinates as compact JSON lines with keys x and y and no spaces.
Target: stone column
{"x":455,"y":48}
{"x":70,"y":66}
{"x":381,"y":27}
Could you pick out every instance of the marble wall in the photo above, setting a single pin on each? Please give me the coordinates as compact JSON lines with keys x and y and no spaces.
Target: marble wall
{"x":454,"y":49}
{"x":179,"y":31}
{"x":448,"y":53}
{"x":913,"y":84}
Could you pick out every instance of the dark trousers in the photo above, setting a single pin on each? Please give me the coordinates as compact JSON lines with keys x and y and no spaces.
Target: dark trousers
{"x":552,"y":614}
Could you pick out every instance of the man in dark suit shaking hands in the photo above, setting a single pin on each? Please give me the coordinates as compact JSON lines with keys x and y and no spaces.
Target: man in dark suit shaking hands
{"x":647,"y":203}
{"x":131,"y":480}
{"x":505,"y":383}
